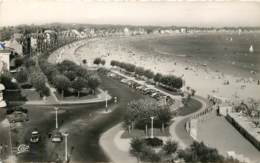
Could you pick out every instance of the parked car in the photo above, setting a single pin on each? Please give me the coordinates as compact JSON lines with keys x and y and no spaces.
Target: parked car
{"x":124,"y":81}
{"x":56,"y":136}
{"x":17,"y":116}
{"x":149,"y":91}
{"x":35,"y":136}
{"x":135,"y":85}
{"x":140,"y":88}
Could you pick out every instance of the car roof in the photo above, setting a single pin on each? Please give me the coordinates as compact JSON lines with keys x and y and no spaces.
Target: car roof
{"x":35,"y":132}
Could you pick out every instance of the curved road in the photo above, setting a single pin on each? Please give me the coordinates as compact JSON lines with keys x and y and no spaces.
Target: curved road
{"x":85,"y":124}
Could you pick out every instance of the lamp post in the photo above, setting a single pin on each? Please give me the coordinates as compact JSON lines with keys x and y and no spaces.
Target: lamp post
{"x":65,"y":134}
{"x":152,"y":126}
{"x":106,"y":99}
{"x":56,"y":117}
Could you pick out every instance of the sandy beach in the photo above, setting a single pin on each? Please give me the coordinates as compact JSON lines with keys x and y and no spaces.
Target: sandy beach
{"x":198,"y":76}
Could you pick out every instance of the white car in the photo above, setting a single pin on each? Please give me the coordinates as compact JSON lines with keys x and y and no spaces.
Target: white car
{"x":56,"y":136}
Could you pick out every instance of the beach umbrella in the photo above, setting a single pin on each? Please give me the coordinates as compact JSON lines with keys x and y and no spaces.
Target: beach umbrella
{"x":2,"y":104}
{"x":2,"y":87}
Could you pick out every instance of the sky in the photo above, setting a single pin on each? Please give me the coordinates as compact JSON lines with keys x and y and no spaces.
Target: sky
{"x":206,"y":14}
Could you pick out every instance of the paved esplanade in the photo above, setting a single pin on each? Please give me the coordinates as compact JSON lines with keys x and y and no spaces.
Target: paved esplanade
{"x":219,"y":133}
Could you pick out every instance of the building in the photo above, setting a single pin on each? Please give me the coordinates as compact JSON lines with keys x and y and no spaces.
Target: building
{"x":4,"y":60}
{"x":14,"y":46}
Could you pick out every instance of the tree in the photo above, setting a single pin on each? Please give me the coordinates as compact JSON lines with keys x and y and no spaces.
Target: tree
{"x":21,"y":76}
{"x":78,"y":84}
{"x":18,"y":61}
{"x":38,"y":80}
{"x":62,"y":83}
{"x":103,"y":62}
{"x":84,"y":61}
{"x":29,"y":62}
{"x":157,"y":77}
{"x":71,"y":75}
{"x":93,"y":82}
{"x":170,"y":147}
{"x":164,"y":115}
{"x":149,"y":74}
{"x":113,"y":63}
{"x":97,"y":61}
{"x":139,"y":71}
{"x":140,"y":111}
{"x":66,"y":65}
{"x":198,"y":152}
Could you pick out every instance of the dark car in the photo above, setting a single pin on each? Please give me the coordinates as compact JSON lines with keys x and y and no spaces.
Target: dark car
{"x":35,"y":136}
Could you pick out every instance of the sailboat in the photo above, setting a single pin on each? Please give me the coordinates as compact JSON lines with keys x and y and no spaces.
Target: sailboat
{"x":251,"y":49}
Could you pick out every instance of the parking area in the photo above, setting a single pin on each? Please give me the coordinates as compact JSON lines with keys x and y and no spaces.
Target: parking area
{"x":148,"y":88}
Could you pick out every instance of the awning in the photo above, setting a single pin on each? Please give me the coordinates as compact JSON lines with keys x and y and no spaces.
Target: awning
{"x":2,"y":87}
{"x":2,"y":104}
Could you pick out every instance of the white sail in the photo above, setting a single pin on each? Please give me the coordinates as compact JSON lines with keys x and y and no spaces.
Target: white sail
{"x":251,"y":49}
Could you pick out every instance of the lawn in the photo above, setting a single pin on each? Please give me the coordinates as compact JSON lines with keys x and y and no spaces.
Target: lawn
{"x":21,"y":95}
{"x":191,"y":107}
{"x":71,"y":96}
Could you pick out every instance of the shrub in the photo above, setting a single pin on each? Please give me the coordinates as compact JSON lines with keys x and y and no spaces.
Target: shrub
{"x":198,"y":152}
{"x":170,"y":147}
{"x":21,"y":76}
{"x":29,"y":62}
{"x":139,"y":149}
{"x":154,"y":142}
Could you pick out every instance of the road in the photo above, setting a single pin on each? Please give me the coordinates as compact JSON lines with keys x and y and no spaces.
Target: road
{"x":85,"y":124}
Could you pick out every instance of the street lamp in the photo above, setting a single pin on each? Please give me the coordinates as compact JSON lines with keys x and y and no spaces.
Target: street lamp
{"x":66,"y":134}
{"x":106,"y":99}
{"x":56,"y":117}
{"x":152,"y":126}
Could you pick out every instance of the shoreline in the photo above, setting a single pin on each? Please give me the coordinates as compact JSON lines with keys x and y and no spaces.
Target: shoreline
{"x":208,"y":82}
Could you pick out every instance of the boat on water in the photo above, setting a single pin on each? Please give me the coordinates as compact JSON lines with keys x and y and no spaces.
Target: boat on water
{"x":251,"y":49}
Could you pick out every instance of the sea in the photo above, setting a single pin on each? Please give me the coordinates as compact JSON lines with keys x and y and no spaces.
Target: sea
{"x":221,"y":51}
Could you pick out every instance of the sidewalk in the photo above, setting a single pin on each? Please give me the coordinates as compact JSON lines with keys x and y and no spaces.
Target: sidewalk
{"x":108,"y":143}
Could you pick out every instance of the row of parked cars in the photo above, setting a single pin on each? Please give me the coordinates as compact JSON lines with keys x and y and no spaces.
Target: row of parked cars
{"x":143,"y":88}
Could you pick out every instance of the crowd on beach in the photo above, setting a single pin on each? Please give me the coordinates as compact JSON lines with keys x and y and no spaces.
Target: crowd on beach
{"x":198,"y":76}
